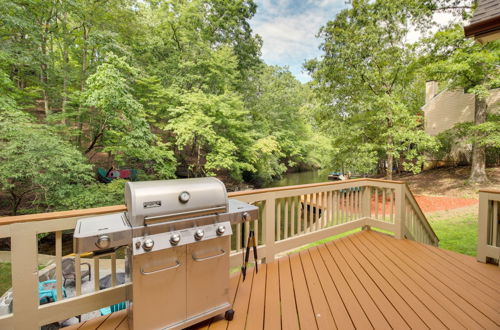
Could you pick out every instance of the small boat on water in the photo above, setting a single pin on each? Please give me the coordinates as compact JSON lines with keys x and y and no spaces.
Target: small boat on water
{"x":337,"y":176}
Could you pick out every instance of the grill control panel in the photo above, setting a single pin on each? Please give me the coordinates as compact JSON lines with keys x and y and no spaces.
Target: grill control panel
{"x":156,"y":242}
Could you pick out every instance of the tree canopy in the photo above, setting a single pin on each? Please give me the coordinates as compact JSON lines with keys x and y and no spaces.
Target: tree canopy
{"x":178,"y":88}
{"x":369,"y":89}
{"x":160,"y":86}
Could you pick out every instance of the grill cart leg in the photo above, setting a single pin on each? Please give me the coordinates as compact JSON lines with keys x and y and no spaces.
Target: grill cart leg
{"x":229,"y":315}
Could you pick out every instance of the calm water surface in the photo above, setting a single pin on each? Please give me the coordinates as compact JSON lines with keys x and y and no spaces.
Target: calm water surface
{"x":292,"y":179}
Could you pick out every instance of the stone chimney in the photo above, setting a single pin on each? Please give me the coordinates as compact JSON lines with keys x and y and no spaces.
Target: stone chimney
{"x":431,"y":89}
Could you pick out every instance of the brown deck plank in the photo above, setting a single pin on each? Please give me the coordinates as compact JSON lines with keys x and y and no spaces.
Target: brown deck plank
{"x":337,"y":306}
{"x":74,"y":326}
{"x":289,"y":319}
{"x":324,"y":317}
{"x":427,"y":298}
{"x":241,"y":302}
{"x":93,"y":324}
{"x":113,"y":320}
{"x":255,"y":318}
{"x":218,"y":322}
{"x":466,"y":287}
{"x":272,"y":315}
{"x":455,"y":274}
{"x":304,"y":306}
{"x":123,"y":325}
{"x":459,"y":296}
{"x":377,"y":319}
{"x":365,"y":280}
{"x":353,"y":306}
{"x":391,"y":314}
{"x":443,"y":298}
{"x":416,"y":305}
{"x":485,"y":273}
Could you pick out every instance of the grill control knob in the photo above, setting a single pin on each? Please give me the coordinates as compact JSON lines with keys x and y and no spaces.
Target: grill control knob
{"x":148,"y":244}
{"x":175,"y":239}
{"x":184,"y":197}
{"x":246,"y":216}
{"x":199,"y":234}
{"x":103,"y":242}
{"x":221,"y":230}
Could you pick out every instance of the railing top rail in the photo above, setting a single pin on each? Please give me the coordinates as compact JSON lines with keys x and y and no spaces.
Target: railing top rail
{"x":120,"y":208}
{"x":61,"y":214}
{"x":490,"y":191}
{"x":310,"y":185}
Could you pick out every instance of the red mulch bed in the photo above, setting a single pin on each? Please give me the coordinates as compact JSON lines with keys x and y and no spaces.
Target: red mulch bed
{"x":433,"y":203}
{"x":428,"y":203}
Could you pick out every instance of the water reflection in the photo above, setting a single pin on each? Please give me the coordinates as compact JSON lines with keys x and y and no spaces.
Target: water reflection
{"x":291,"y":179}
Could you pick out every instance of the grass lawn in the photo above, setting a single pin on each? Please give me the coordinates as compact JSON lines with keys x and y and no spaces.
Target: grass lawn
{"x":457,"y":233}
{"x":325,"y":240}
{"x":5,"y":278}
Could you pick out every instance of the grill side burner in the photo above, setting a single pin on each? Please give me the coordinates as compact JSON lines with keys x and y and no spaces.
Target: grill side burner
{"x":178,"y":236}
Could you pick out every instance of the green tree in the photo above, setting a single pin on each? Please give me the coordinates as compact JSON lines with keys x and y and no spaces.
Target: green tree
{"x":276,"y":100}
{"x":116,"y":120}
{"x":35,"y":161}
{"x":366,"y":84}
{"x":463,"y":63}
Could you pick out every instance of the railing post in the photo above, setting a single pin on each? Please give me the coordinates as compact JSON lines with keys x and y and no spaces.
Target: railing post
{"x":399,"y":220}
{"x":270,"y":227}
{"x":24,"y":276}
{"x":366,"y":202}
{"x":482,"y":232}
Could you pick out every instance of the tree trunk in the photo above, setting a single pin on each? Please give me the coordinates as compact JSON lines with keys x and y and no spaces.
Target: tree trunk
{"x":83,"y":76}
{"x":44,"y":76}
{"x":390,"y":148}
{"x":478,"y":168}
{"x":390,"y":162}
{"x":65,"y":68}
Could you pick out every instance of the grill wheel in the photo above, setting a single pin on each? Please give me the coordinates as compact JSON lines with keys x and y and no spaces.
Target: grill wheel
{"x":229,"y":315}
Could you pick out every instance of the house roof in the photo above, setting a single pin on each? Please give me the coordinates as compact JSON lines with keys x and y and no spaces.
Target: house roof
{"x":485,"y":23}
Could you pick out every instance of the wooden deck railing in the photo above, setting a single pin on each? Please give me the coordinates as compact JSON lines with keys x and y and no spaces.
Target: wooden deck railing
{"x":290,"y":217}
{"x":488,"y":243}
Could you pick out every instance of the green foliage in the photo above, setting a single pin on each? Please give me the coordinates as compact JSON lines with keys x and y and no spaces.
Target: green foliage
{"x":461,"y":62}
{"x":117,"y":122}
{"x":265,"y":154}
{"x":213,"y":129}
{"x":276,"y":101}
{"x":368,"y":88}
{"x":34,"y":160}
{"x":73,"y":197}
{"x":486,"y":134}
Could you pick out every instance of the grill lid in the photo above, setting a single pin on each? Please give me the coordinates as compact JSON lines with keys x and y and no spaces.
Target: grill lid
{"x":154,"y":201}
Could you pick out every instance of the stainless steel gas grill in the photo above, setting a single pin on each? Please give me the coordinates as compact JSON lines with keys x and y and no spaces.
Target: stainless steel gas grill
{"x":178,"y":234}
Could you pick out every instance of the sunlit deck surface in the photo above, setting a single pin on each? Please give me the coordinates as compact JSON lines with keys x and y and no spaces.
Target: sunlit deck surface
{"x":365,"y":280}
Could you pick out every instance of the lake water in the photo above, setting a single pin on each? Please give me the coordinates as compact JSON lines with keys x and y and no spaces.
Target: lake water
{"x":292,"y":179}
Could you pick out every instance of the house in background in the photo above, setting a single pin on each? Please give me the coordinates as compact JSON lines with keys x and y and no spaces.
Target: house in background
{"x":443,"y":110}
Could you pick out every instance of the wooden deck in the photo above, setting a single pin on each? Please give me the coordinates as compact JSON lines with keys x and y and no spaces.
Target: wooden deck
{"x":366,"y":281}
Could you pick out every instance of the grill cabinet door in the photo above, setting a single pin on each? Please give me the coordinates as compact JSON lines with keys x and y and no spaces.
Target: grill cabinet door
{"x":159,"y":290}
{"x":207,"y":275}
